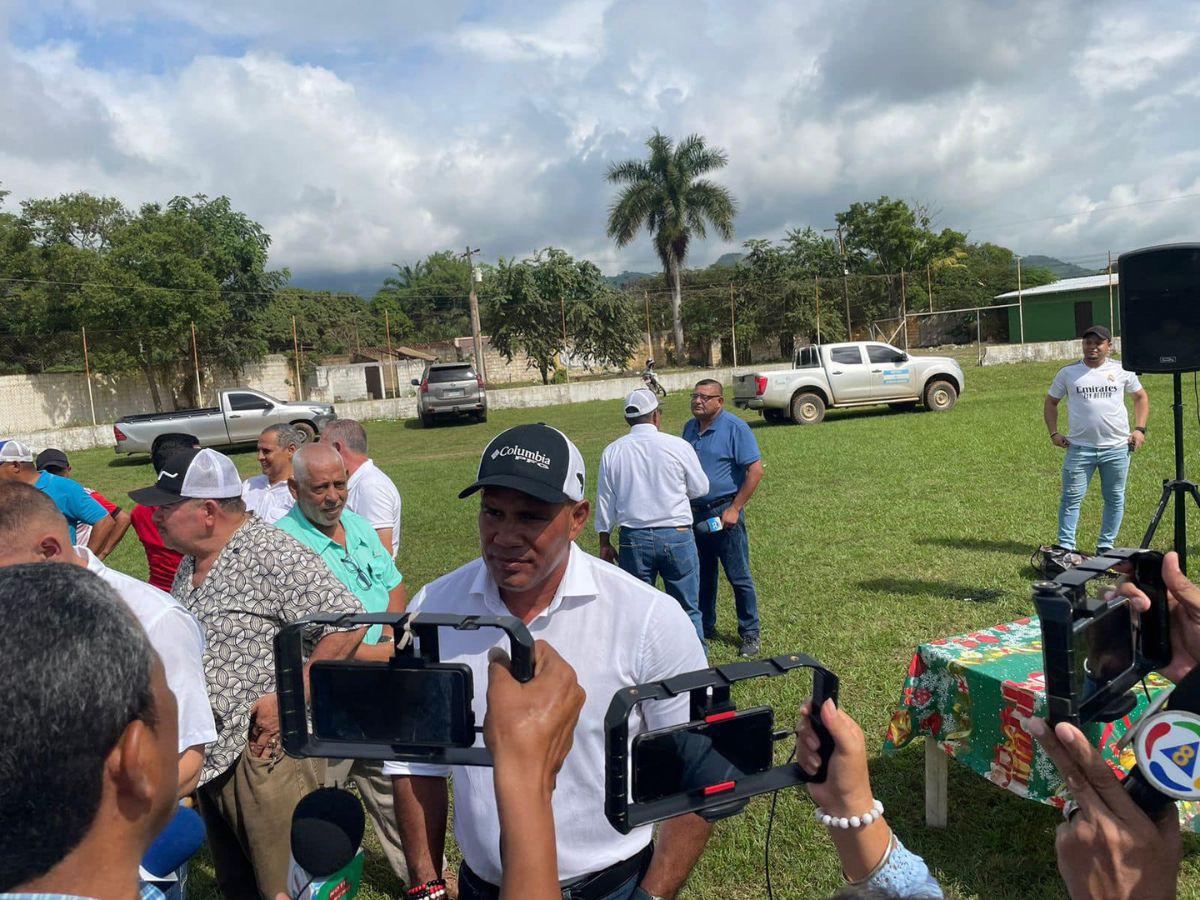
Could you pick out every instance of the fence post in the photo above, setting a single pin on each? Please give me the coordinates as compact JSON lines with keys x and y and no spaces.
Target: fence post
{"x":817,"y":294}
{"x":562,"y":309}
{"x":387,"y":330}
{"x":1020,"y":301}
{"x":1111,"y":326}
{"x":296,"y":359}
{"x":903,"y":309}
{"x":979,"y":335}
{"x":196,"y":363}
{"x":649,"y":336}
{"x":929,"y":287}
{"x":732,"y":324}
{"x":87,"y":375}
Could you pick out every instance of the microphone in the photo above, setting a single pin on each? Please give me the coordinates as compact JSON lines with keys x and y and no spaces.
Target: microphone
{"x":174,"y":846}
{"x":327,"y":831}
{"x":1167,"y":748}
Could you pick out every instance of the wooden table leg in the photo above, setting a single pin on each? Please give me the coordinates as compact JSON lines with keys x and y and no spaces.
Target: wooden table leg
{"x":937,"y":776}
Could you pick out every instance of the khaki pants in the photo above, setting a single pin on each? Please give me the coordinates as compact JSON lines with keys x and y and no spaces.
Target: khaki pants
{"x":247,"y":813}
{"x":375,"y":789}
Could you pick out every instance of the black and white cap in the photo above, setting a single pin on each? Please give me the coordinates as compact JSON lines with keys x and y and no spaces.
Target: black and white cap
{"x":192,"y":475}
{"x":535,"y":459}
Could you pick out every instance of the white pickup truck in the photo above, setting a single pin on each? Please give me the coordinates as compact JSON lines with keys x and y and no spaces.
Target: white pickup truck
{"x":862,"y":373}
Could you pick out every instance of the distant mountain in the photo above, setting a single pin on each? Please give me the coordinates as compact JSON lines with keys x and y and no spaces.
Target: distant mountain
{"x":728,"y":260}
{"x":1057,"y":266}
{"x":624,"y":278}
{"x":364,"y":282}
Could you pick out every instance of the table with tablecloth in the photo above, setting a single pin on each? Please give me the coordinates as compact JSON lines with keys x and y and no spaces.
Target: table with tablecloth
{"x":967,"y":696}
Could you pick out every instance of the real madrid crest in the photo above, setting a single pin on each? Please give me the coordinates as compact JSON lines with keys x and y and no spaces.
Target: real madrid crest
{"x":1167,"y":748}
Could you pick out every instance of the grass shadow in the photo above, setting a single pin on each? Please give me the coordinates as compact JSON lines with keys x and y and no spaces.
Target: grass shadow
{"x":969,"y":543}
{"x":129,"y":462}
{"x":921,"y":586}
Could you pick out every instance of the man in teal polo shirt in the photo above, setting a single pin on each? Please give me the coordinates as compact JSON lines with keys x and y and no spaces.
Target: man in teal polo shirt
{"x":349,"y":546}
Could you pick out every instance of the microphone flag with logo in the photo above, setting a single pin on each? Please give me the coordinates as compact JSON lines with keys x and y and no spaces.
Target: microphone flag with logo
{"x":327,"y":832}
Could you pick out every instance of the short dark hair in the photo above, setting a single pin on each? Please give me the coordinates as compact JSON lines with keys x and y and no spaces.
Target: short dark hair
{"x":76,"y":672}
{"x":647,"y":419}
{"x":712,"y":382}
{"x":21,"y":504}
{"x":168,"y":445}
{"x":349,"y":432}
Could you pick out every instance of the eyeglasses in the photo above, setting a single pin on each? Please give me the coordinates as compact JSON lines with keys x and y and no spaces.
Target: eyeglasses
{"x":364,"y":578}
{"x":704,"y":398}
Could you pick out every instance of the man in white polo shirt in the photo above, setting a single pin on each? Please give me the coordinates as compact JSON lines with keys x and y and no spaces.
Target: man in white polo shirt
{"x":371,"y":494}
{"x":614,"y":630}
{"x":645,"y":486}
{"x":267,"y":495}
{"x":1099,"y":437}
{"x":33,"y":530}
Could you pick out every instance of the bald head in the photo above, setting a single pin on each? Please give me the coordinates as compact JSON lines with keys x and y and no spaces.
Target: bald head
{"x":31,"y":527}
{"x":318,"y":483}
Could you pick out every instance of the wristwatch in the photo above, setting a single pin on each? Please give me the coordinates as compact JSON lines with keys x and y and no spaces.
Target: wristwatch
{"x":1141,"y":428}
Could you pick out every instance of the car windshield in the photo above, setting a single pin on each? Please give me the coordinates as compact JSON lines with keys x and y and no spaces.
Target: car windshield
{"x":451,"y":373}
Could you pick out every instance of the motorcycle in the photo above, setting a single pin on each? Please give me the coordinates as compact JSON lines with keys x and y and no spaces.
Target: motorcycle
{"x":651,"y":381}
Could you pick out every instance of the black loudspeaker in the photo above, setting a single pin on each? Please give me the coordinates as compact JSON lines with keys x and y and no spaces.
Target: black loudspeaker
{"x":1160,"y":308}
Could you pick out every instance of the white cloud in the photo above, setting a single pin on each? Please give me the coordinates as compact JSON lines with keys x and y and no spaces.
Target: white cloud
{"x":369,"y":133}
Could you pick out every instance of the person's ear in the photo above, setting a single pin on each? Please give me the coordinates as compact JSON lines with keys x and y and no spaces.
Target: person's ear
{"x":130,"y":764}
{"x":579,"y":517}
{"x":51,"y":547}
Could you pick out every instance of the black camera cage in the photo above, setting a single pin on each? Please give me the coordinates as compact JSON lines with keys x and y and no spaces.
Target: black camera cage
{"x":298,"y":739}
{"x":1063,"y":603}
{"x":732,"y":797}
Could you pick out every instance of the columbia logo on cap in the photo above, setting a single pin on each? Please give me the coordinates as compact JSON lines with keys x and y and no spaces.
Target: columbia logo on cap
{"x":534,"y":457}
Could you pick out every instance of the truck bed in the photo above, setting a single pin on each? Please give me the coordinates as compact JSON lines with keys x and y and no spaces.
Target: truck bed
{"x":176,"y":414}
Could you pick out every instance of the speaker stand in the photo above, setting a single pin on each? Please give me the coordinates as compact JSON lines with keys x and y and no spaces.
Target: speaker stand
{"x":1177,"y":487}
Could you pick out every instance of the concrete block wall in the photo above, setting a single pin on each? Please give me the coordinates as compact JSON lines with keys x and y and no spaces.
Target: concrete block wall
{"x":997,"y":354}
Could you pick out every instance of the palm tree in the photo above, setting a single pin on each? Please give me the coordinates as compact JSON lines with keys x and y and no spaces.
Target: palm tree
{"x":667,"y":195}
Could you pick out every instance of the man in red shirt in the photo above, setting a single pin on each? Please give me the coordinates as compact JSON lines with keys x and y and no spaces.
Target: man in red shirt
{"x":163,"y":561}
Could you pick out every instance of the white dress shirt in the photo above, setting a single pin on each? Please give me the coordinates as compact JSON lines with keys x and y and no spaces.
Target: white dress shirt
{"x":372,"y":495}
{"x":615,"y":631}
{"x":646,"y":479}
{"x":179,"y":641}
{"x":270,"y":502}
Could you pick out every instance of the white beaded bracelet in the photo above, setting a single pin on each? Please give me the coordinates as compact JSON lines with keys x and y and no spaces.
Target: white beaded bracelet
{"x":874,"y":815}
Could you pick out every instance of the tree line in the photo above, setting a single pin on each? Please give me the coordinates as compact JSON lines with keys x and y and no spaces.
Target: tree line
{"x":156,"y":286}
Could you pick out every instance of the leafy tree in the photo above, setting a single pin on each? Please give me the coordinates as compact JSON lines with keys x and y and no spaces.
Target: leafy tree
{"x":666,"y":194}
{"x":528,"y":302}
{"x":427,"y":300}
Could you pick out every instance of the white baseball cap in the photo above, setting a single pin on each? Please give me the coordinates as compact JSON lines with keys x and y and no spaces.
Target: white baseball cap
{"x":641,"y":402}
{"x":15,"y":451}
{"x":192,"y":475}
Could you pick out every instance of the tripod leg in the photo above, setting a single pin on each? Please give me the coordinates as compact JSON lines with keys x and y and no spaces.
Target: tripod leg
{"x":1158,"y":514}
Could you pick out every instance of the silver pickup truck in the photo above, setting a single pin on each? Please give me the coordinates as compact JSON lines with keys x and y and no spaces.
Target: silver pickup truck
{"x":240,"y":419}
{"x":862,"y":373}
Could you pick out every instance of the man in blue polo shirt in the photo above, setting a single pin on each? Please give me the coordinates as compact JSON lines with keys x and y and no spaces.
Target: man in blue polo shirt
{"x":730,"y":458}
{"x":72,"y":500}
{"x":349,"y":546}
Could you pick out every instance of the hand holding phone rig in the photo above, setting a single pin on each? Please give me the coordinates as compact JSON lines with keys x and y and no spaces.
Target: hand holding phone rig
{"x":716,"y":762}
{"x":412,"y":708}
{"x":1095,"y":648}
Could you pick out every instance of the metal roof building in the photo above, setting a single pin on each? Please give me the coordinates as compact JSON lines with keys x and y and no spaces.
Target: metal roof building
{"x":1064,"y":310}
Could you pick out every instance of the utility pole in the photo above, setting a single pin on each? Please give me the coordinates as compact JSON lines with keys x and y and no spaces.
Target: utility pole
{"x":845,"y":278}
{"x":196,"y":363}
{"x":1111,"y":324}
{"x":733,"y":324}
{"x":1020,"y":301}
{"x":817,"y":294}
{"x":476,"y":336}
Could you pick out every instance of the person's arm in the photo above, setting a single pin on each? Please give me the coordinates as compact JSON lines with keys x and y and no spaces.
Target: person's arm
{"x":530,"y":729}
{"x":422,"y":805}
{"x":383,"y":649}
{"x":100,"y":532}
{"x":1141,"y":412}
{"x":695,"y":478}
{"x":191,"y":762}
{"x":385,"y":538}
{"x":678,"y":848}
{"x":1109,"y":847}
{"x":754,"y":474}
{"x":121,"y":522}
{"x":1050,"y":417}
{"x":605,"y":502}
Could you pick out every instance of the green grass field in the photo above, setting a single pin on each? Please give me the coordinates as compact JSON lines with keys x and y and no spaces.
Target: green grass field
{"x":871,"y":533}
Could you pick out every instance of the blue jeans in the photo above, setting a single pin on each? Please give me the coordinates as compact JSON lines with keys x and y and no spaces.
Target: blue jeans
{"x":646,"y":553}
{"x":468,"y":889}
{"x":1079,"y":464}
{"x":730,"y":547}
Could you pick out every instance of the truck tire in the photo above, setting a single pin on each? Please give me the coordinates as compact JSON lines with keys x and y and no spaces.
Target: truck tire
{"x":426,"y":420}
{"x":307,"y":430}
{"x":940,"y":396}
{"x":807,"y":409}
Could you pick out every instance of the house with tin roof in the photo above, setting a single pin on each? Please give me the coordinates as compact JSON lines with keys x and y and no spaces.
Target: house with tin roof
{"x":1065,"y":309}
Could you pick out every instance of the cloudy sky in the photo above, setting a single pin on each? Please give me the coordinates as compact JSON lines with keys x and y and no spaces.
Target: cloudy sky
{"x":366,"y":132}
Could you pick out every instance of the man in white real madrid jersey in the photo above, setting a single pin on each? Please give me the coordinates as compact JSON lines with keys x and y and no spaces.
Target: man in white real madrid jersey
{"x":612,"y":628}
{"x":1099,"y":436}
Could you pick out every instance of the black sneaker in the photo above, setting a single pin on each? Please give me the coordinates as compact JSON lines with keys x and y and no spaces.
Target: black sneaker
{"x":750,"y":646}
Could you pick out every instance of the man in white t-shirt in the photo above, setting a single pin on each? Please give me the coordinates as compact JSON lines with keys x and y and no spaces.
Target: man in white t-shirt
{"x":267,"y":495}
{"x":613,"y":629}
{"x":645,"y":486}
{"x":33,"y":530}
{"x":371,"y":493}
{"x":1099,"y":436}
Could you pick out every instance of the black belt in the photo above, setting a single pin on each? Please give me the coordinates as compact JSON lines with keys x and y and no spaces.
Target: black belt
{"x":592,"y":886}
{"x":709,"y":504}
